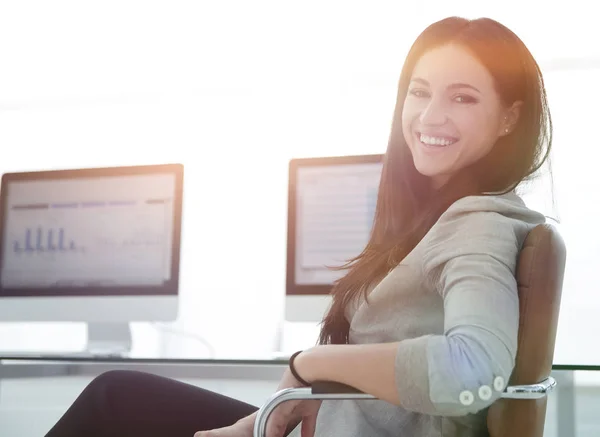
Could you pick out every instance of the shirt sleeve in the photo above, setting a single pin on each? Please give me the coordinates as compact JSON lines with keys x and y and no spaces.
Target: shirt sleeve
{"x":471,"y":261}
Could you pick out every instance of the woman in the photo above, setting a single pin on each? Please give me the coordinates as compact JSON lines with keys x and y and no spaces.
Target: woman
{"x":436,"y":340}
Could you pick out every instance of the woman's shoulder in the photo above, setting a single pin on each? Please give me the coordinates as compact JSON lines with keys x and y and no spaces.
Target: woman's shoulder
{"x":479,"y":224}
{"x":491,"y":210}
{"x":494,"y":225}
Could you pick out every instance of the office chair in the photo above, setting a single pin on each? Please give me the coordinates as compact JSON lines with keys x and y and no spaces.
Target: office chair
{"x":521,"y":410}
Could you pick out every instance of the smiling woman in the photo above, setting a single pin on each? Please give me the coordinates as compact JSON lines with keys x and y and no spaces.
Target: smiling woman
{"x":471,"y":118}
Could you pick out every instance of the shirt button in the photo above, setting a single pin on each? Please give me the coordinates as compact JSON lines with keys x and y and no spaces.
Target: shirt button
{"x":485,"y":392}
{"x":499,"y":383}
{"x":466,"y":398}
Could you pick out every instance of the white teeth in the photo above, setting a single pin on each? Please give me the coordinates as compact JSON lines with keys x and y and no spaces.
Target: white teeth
{"x":435,"y":141}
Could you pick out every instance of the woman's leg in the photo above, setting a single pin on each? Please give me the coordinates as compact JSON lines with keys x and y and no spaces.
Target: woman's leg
{"x":135,"y":404}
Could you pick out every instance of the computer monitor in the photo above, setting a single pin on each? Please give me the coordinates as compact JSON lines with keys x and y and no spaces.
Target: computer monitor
{"x":97,"y":245}
{"x":331,"y":206}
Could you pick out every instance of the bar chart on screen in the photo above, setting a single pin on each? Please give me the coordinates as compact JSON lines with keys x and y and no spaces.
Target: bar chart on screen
{"x":60,"y":244}
{"x":42,"y":240}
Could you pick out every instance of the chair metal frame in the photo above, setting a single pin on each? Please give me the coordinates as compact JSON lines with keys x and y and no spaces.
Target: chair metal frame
{"x":323,"y":390}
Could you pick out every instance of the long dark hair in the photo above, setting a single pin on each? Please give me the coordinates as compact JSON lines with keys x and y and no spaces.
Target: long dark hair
{"x":407,"y":206}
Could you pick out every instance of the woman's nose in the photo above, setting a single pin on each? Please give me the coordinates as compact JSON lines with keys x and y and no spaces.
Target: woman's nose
{"x":434,"y":114}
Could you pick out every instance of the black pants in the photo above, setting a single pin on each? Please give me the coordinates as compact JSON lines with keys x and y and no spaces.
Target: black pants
{"x":134,"y":404}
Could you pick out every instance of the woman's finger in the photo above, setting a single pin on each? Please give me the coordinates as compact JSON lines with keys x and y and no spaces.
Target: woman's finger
{"x":275,"y":426}
{"x":280,"y":418}
{"x":309,"y":424}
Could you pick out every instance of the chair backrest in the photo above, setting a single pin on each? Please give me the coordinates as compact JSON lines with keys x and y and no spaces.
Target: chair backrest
{"x":540,"y":272}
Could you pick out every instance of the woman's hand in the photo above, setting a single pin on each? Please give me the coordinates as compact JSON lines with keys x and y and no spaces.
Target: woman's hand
{"x":286,"y":414}
{"x":242,"y":428}
{"x":292,"y":412}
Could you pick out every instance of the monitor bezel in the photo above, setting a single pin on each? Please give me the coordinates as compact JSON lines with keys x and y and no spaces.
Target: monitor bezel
{"x":168,"y":288}
{"x":292,"y":288}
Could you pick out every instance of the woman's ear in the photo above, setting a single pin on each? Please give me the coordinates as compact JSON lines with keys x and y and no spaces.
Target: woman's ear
{"x":511,"y":117}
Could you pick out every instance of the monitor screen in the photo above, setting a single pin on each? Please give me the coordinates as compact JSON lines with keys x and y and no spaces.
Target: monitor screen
{"x":330,"y":215}
{"x":109,"y":231}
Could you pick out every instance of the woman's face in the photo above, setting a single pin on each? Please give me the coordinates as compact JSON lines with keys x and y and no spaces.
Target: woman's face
{"x":452,"y":113}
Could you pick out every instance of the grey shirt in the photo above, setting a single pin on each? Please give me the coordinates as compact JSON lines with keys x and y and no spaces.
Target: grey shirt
{"x":452,"y":305}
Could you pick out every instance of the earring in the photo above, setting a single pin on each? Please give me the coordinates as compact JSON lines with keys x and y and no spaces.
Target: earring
{"x":506,"y":130}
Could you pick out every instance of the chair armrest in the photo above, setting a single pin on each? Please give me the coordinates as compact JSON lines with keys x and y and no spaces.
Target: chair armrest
{"x":323,"y":390}
{"x":530,"y":391}
{"x":328,"y":387}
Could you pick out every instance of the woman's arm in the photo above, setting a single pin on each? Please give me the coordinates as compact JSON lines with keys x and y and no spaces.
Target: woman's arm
{"x":464,"y":369}
{"x":367,"y":367}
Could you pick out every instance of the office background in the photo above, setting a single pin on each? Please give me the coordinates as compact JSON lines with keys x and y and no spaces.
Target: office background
{"x":234,"y":90}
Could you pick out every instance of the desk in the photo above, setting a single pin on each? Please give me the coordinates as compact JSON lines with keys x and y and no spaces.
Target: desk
{"x":29,"y":366}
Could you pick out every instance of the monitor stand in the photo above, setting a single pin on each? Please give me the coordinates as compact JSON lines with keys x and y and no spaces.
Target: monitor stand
{"x":108,"y":339}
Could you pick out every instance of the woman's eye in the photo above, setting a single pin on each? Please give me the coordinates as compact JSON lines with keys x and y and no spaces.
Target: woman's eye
{"x":464,"y":98}
{"x":418,"y":93}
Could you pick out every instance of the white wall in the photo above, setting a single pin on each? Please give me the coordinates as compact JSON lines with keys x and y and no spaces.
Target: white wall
{"x":234,"y":90}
